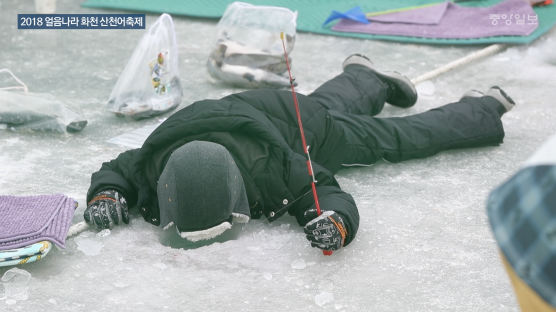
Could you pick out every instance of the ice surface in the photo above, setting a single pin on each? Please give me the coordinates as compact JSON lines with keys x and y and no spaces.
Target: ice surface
{"x":545,"y":155}
{"x":424,"y":243}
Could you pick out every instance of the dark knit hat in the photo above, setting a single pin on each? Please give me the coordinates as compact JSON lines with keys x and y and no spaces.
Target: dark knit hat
{"x":201,"y":191}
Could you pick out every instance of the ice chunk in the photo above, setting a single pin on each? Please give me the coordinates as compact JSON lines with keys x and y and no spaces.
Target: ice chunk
{"x":135,"y":138}
{"x":324,"y":298}
{"x":298,"y":264}
{"x":16,"y":284}
{"x":426,"y":88}
{"x":90,"y":247}
{"x":160,"y":265}
{"x":103,"y":233}
{"x":45,"y":6}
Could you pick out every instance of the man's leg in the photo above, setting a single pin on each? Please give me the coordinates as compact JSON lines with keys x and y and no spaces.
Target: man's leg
{"x":356,"y":139}
{"x":356,"y":91}
{"x":363,"y":89}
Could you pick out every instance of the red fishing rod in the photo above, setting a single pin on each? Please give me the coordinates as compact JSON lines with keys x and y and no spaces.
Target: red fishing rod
{"x":305,"y":147}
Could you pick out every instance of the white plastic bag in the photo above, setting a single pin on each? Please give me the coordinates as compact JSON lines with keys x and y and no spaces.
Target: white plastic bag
{"x":248,"y":51}
{"x":36,"y":111}
{"x":149,"y":84}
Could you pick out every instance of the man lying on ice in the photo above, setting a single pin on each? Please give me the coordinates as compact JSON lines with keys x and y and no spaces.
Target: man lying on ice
{"x":216,"y":162}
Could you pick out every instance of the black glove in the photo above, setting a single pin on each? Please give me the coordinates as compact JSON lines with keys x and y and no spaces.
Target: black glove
{"x":106,"y":209}
{"x":326,"y":231}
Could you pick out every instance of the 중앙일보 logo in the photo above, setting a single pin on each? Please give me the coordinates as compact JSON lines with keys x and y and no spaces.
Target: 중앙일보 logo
{"x":513,"y":19}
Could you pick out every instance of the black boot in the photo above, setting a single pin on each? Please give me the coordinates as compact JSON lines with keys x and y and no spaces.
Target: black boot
{"x":497,"y":93}
{"x":401,"y":91}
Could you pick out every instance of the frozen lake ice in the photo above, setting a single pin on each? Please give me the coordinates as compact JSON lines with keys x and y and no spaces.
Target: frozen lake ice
{"x":424,"y":243}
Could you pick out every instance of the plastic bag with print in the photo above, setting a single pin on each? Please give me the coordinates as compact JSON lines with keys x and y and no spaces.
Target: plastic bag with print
{"x":248,"y":51}
{"x":149,"y":84}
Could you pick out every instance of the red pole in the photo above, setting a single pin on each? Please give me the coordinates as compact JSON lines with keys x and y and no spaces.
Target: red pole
{"x":305,"y":147}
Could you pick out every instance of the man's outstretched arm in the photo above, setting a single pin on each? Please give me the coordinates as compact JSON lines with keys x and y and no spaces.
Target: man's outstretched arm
{"x":110,"y":192}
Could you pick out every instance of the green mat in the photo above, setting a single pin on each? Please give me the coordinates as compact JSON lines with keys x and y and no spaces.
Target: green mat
{"x":312,"y":13}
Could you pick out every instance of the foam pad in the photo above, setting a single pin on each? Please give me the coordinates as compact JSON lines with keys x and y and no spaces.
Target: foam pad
{"x":313,"y":13}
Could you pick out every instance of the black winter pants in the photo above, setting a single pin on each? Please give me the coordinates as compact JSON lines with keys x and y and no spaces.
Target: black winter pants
{"x":353,"y":136}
